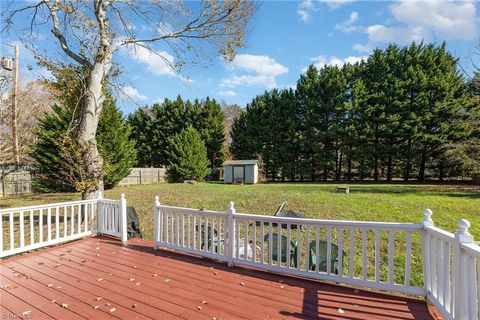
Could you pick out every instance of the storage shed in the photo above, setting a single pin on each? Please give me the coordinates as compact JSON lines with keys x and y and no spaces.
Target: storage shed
{"x":245,"y":171}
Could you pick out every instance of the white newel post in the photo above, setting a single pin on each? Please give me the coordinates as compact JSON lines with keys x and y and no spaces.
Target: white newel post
{"x":230,"y":234}
{"x":156,"y":220}
{"x":123,"y":217}
{"x":100,"y":214}
{"x":460,"y":270}
{"x":427,"y":222}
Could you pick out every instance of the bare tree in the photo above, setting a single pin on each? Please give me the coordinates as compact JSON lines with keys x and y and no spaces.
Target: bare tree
{"x":89,"y":32}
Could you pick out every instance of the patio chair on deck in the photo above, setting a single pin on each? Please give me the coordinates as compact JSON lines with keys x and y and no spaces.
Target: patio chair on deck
{"x":283,"y":258}
{"x":207,"y":243}
{"x":322,"y":252}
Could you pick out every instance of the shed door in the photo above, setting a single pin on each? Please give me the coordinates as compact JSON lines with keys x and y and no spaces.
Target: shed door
{"x":238,"y":173}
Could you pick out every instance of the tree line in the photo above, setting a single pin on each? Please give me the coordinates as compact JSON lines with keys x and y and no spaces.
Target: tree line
{"x":173,"y":132}
{"x":404,"y":112}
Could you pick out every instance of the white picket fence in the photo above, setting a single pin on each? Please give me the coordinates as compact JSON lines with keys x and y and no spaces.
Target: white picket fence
{"x":375,"y":255}
{"x":28,"y":228}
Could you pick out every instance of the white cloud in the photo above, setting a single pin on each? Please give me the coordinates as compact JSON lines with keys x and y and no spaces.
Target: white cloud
{"x":227,"y":93}
{"x":450,"y":19}
{"x":304,"y":10}
{"x":132,"y":93}
{"x":321,"y":61}
{"x":347,"y":25}
{"x":158,"y":62}
{"x":423,"y":20}
{"x":304,"y":15}
{"x":335,"y":4}
{"x":261,"y":71}
{"x":364,"y":48}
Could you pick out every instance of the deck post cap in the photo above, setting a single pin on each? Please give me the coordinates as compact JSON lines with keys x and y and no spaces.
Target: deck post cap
{"x":232,"y":205}
{"x":427,"y":217}
{"x":463,"y":225}
{"x":122,"y":196}
{"x":462,"y":235}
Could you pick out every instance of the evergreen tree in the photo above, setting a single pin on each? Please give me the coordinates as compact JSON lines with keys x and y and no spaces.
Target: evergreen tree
{"x":115,"y":145}
{"x":187,"y":156}
{"x":208,"y":119}
{"x":144,"y":132}
{"x":59,"y":164}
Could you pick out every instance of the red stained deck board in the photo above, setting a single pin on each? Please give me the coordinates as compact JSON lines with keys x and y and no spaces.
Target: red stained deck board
{"x":184,"y":286}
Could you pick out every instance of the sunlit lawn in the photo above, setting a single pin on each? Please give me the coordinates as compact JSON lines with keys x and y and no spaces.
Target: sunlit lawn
{"x":374,"y":202}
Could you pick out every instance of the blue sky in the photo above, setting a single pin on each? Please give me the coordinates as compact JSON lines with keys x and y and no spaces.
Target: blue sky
{"x":286,"y":36}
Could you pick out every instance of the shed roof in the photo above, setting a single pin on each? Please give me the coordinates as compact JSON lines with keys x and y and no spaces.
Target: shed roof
{"x":240,"y":162}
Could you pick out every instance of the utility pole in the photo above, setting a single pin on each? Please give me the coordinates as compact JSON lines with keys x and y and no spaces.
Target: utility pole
{"x":16,"y":157}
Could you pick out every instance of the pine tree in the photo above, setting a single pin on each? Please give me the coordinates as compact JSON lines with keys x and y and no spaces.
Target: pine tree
{"x":115,"y":145}
{"x":187,"y":156}
{"x":58,"y":161}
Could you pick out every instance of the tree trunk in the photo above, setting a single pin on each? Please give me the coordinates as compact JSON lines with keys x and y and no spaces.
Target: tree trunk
{"x":349,"y":169}
{"x":339,"y":171}
{"x":87,"y":141}
{"x":362,"y":170}
{"x":440,"y":172}
{"x":421,"y":170}
{"x":389,"y":169}
{"x":406,"y":174}
{"x":375,"y":173}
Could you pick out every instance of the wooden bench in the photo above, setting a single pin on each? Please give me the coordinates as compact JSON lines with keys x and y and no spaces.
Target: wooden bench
{"x":343,"y":189}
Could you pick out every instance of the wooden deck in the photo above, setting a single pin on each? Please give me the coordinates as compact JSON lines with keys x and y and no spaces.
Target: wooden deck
{"x":98,"y":278}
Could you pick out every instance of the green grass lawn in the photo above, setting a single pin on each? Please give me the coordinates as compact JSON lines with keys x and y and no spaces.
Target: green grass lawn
{"x":367,"y":202}
{"x":374,"y":202}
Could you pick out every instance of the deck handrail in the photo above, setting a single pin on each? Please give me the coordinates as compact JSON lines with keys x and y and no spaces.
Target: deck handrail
{"x":33,"y":227}
{"x":450,"y":262}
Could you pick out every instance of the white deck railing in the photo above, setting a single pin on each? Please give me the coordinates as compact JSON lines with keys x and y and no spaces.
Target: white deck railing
{"x":28,"y":228}
{"x":373,"y":255}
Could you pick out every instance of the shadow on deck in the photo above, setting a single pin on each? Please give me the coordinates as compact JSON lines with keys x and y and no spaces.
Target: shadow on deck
{"x":98,"y":278}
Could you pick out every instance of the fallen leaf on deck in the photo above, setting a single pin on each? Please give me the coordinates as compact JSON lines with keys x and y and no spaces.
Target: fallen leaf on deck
{"x":113,"y":252}
{"x":340,"y":310}
{"x":64,"y":305}
{"x":199,"y":308}
{"x":99,"y":279}
{"x":137,"y":284}
{"x":134,"y":267}
{"x":242,"y":283}
{"x":83,"y":261}
{"x":50,"y":285}
{"x":97,"y":255}
{"x":40,"y":263}
{"x":97,"y":248}
{"x":98,"y":298}
{"x":356,"y":291}
{"x":215,"y":273}
{"x":134,"y":305}
{"x":132,"y":279}
{"x":96,"y":307}
{"x":155,"y":274}
{"x":107,"y":304}
{"x":282,"y":287}
{"x":112,"y":310}
{"x":167,"y":280}
{"x":57,"y":265}
{"x":26,"y":313}
{"x":214,"y":318}
{"x":59,"y":287}
{"x":204,"y":302}
{"x":53,"y":301}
